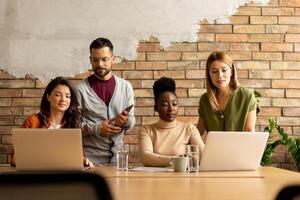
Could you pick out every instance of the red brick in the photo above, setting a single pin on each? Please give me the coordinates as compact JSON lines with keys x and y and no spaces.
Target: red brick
{"x":263,"y":20}
{"x":149,"y":47}
{"x":143,"y":93}
{"x":189,"y":83}
{"x":10,"y":92}
{"x":266,"y":38}
{"x":189,"y":101}
{"x":276,"y":47}
{"x":296,"y":47}
{"x":196,"y":92}
{"x":271,"y":92}
{"x":249,"y":29}
{"x":289,"y":3}
{"x":265,"y":102}
{"x":283,"y":28}
{"x":292,"y":112}
{"x":289,"y":20}
{"x":286,"y":84}
{"x":288,"y":121}
{"x":278,"y":11}
{"x":232,"y":38}
{"x":144,"y":101}
{"x":195,"y":74}
{"x":147,"y":83}
{"x":245,"y":10}
{"x":175,"y":74}
{"x":213,"y":46}
{"x":141,"y":56}
{"x":124,"y":66}
{"x":291,"y":74}
{"x":265,"y":111}
{"x":267,"y":56}
{"x":26,"y":101}
{"x":255,"y":83}
{"x":265,"y":74}
{"x":33,"y":92}
{"x":151,"y":65}
{"x":181,"y":92}
{"x":19,"y":120}
{"x":215,"y":28}
{"x":182,"y":47}
{"x":17,"y":83}
{"x":239,"y":19}
{"x":242,"y":73}
{"x":252,"y":64}
{"x":153,"y":39}
{"x":5,"y":75}
{"x":7,"y":139}
{"x":183,"y":65}
{"x":292,"y":38}
{"x":281,"y":102}
{"x":30,"y":110}
{"x":163,"y":56}
{"x":244,"y":46}
{"x":240,"y":55}
{"x":262,"y":120}
{"x":144,"y":111}
{"x":290,"y":93}
{"x":5,"y":101}
{"x":285,"y":65}
{"x":6,"y":120}
{"x":195,"y":55}
{"x":205,"y":37}
{"x":138,"y":74}
{"x":296,"y":131}
{"x":291,"y":56}
{"x":11,"y":110}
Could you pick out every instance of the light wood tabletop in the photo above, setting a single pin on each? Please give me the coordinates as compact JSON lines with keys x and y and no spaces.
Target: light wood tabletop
{"x":262,"y":184}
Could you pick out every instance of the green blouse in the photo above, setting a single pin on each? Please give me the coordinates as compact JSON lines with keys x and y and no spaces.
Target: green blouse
{"x":233,"y":118}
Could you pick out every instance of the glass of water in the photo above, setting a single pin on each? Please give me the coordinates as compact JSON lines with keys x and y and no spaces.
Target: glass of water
{"x":193,"y":155}
{"x":122,"y":158}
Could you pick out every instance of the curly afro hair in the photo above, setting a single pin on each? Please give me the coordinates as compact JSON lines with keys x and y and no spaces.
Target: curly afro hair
{"x":164,"y":84}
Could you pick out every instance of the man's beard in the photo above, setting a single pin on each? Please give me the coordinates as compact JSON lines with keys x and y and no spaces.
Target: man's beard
{"x":102,"y":73}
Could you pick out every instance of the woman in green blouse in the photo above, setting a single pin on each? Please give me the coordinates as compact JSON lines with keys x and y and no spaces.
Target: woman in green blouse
{"x":226,"y":106}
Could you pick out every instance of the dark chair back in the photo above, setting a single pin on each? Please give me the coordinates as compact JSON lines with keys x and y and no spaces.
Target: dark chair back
{"x":291,"y":192}
{"x":50,"y":186}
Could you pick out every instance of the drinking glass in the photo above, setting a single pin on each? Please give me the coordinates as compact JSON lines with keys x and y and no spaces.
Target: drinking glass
{"x":193,"y":155}
{"x":122,"y":158}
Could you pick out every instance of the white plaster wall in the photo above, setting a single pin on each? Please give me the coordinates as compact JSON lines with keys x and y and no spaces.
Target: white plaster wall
{"x":50,"y":38}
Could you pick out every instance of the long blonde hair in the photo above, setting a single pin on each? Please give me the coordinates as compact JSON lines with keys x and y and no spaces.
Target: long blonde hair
{"x":211,"y":89}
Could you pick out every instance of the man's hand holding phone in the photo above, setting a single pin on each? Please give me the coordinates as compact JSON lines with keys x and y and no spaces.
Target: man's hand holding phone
{"x":121,"y":119}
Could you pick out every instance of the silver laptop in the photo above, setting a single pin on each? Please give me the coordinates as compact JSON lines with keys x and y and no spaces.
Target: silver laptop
{"x":48,"y":149}
{"x":230,"y":151}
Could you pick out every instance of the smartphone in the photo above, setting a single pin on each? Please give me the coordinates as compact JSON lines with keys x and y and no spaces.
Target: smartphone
{"x":128,"y":108}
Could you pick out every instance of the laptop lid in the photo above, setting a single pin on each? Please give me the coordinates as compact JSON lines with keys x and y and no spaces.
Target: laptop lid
{"x":48,"y":149}
{"x":229,"y":151}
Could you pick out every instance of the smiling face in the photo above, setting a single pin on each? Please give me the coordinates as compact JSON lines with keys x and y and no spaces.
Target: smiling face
{"x":220,"y":74}
{"x":59,"y":98}
{"x":102,"y":60}
{"x":167,"y":106}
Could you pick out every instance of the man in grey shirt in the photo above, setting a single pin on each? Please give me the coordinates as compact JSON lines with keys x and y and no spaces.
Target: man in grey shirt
{"x":103,"y":99}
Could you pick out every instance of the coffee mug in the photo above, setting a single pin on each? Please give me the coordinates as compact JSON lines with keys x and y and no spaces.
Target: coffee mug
{"x":180,"y":164}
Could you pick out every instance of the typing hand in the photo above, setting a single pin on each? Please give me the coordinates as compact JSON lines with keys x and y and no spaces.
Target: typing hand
{"x":107,"y":129}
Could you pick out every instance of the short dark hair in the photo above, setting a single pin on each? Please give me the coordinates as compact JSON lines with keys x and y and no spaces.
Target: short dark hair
{"x":71,"y":117}
{"x":164,"y":84}
{"x":100,"y":43}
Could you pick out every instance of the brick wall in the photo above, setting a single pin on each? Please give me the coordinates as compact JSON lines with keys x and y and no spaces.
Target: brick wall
{"x":263,"y":40}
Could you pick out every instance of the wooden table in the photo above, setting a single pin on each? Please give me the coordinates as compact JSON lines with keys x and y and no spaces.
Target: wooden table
{"x":262,"y":184}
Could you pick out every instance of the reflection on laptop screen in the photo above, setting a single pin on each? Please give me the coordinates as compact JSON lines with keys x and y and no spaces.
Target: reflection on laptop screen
{"x":225,"y":151}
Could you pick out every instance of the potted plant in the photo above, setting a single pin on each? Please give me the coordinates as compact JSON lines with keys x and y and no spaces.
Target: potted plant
{"x":278,"y":136}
